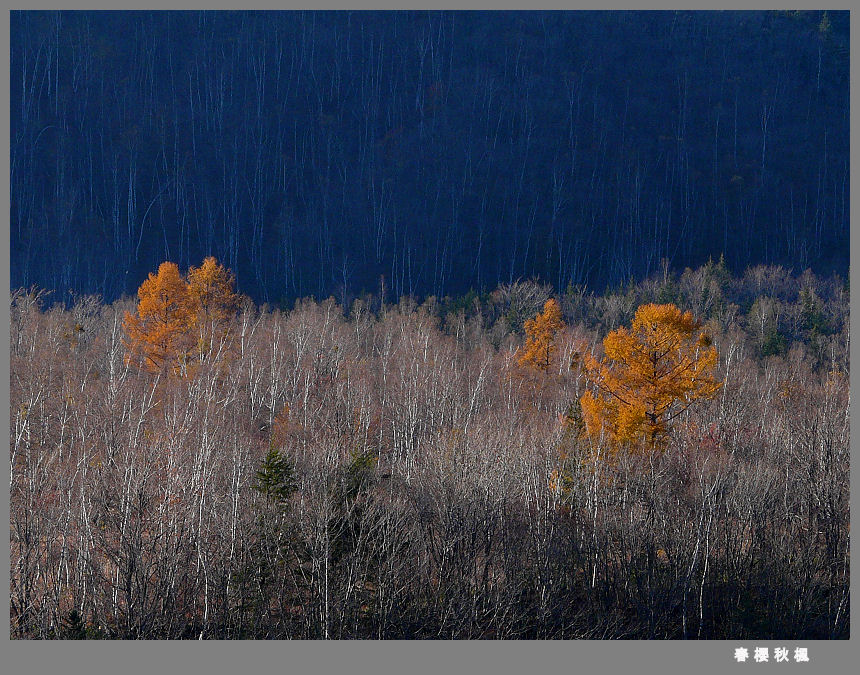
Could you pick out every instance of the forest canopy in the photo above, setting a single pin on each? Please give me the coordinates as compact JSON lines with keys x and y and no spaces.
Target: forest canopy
{"x":426,"y":471}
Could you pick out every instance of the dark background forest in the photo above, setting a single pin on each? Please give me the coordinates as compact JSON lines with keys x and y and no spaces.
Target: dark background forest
{"x":314,"y":153}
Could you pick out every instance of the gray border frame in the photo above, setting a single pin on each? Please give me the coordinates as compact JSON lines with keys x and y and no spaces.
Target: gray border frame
{"x":664,"y":657}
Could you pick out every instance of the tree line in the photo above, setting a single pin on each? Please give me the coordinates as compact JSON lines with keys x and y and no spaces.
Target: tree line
{"x":519,"y":464}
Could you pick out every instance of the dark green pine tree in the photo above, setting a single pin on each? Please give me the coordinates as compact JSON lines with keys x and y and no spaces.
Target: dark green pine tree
{"x":276,"y":477}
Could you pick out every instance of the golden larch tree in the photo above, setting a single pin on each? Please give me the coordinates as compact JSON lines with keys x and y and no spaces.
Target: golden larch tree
{"x":541,"y":335}
{"x":177,"y":319}
{"x":210,"y":288}
{"x":214,"y":303}
{"x":158,"y":332}
{"x":650,"y":374}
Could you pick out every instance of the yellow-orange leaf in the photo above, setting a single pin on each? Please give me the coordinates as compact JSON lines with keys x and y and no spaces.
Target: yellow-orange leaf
{"x":210,"y":289}
{"x":650,"y":374}
{"x":157,"y":332}
{"x":176,"y":320}
{"x":541,"y":333}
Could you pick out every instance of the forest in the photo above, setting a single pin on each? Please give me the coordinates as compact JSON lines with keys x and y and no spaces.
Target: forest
{"x":315,"y":152}
{"x":668,"y":459}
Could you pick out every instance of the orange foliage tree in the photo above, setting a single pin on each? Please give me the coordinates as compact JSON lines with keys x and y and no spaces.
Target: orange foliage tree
{"x":541,"y":333}
{"x":210,"y":290}
{"x":210,"y":287}
{"x":651,"y":373}
{"x":157,"y":332}
{"x":175,"y":316}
